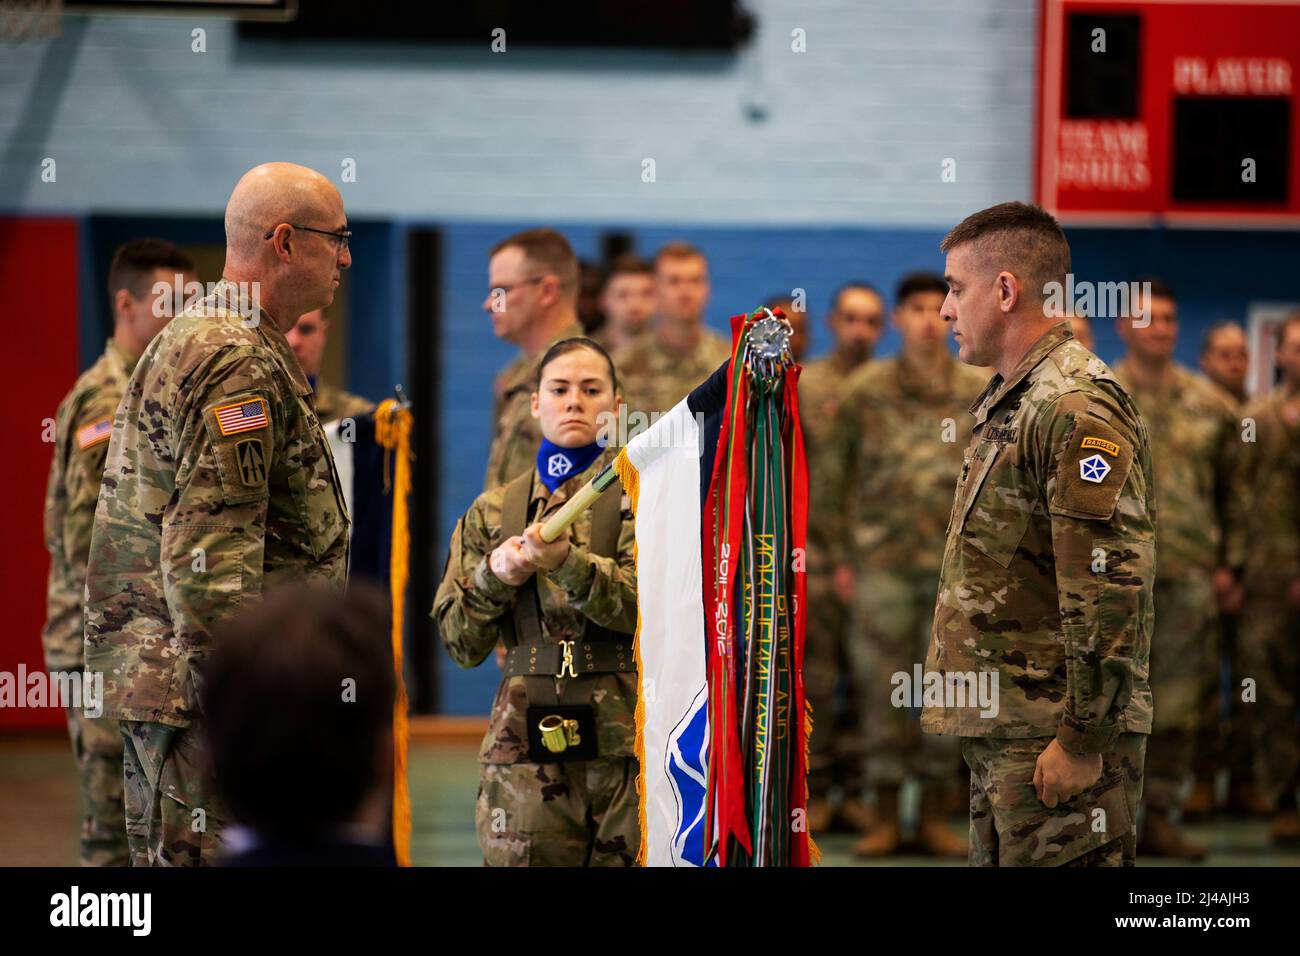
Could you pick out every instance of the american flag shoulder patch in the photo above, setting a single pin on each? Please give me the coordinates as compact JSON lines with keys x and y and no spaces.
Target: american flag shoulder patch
{"x":243,"y":416}
{"x":95,"y":432}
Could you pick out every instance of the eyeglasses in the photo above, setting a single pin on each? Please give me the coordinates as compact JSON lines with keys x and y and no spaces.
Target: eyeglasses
{"x":341,"y":237}
{"x":507,"y":289}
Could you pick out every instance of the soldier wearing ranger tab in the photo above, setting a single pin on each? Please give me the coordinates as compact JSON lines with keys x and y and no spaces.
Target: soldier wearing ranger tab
{"x":558,"y":784}
{"x":219,"y":485}
{"x":1042,"y":629}
{"x":142,"y":280}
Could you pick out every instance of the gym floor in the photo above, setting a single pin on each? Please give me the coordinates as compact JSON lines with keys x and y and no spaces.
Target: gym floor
{"x":38,"y":813}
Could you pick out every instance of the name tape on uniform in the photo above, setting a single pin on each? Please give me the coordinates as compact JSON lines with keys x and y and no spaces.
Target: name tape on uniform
{"x":241,"y":416}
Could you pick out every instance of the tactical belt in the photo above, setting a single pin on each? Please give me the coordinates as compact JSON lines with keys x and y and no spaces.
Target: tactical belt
{"x":570,"y":659}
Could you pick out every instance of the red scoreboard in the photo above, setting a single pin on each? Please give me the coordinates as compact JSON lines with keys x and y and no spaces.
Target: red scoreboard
{"x":1182,"y":112}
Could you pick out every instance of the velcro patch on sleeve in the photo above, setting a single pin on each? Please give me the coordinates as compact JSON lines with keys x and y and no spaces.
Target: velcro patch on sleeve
{"x":97,"y":431}
{"x":240,"y":436}
{"x":1092,"y":470}
{"x":246,"y":415}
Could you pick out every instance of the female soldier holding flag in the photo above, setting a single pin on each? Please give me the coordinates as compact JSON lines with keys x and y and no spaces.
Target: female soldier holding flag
{"x":559,"y":768}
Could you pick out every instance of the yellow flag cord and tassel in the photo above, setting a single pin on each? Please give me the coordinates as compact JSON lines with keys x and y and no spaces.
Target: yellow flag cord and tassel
{"x":393,"y":432}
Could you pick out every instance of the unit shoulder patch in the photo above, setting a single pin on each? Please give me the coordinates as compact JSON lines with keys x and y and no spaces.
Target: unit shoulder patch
{"x":1092,"y":471}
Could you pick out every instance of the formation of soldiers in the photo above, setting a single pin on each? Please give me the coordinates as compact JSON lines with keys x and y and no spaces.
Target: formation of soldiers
{"x":1118,"y":536}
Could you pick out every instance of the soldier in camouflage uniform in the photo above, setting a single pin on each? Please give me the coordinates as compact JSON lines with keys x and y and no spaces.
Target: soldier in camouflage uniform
{"x":856,"y":320}
{"x":627,"y":299}
{"x":83,"y":425}
{"x":1045,"y":592}
{"x":1194,"y":430}
{"x":1270,"y":481}
{"x":896,"y":449}
{"x":219,"y":485}
{"x":567,"y":611}
{"x":307,"y":339}
{"x":533,"y":304}
{"x":661,"y":367}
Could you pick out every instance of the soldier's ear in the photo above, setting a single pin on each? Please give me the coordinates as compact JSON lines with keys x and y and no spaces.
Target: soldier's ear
{"x":536,"y":409}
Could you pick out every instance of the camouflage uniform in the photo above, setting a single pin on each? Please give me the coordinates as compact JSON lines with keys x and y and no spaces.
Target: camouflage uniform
{"x":516,"y":436}
{"x":580,"y":812}
{"x":1046,"y":584}
{"x":1194,"y":437}
{"x":1270,"y":480}
{"x":898,"y":443}
{"x":333,"y":404}
{"x":654,"y":378}
{"x":82,"y":429}
{"x":219,"y":485}
{"x":834,"y":750}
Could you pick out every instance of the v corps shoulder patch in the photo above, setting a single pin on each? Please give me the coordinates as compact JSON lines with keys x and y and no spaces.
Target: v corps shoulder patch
{"x":1092,"y":470}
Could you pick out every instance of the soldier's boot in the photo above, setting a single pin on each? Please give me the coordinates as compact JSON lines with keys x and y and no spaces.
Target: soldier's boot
{"x":1245,"y":800}
{"x":1161,"y":838}
{"x":882,"y":835}
{"x":933,"y":835}
{"x":855,"y":816}
{"x":819,"y":815}
{"x":1201,"y":801}
{"x":1285,"y":829}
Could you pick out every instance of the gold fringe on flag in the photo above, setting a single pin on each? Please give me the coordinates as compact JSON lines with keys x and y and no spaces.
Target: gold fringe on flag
{"x":393,"y":432}
{"x":631,"y":481}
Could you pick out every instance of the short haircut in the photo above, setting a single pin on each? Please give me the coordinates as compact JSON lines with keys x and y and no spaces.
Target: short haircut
{"x":916,"y":282}
{"x":1159,"y":288}
{"x":546,"y":249}
{"x":565,"y":346}
{"x":294,"y":753}
{"x":1208,"y":341}
{"x":861,"y":285}
{"x":678,"y":250}
{"x":1016,"y":237}
{"x":1291,"y":320}
{"x":782,"y":299}
{"x":629,"y":263}
{"x":134,"y":263}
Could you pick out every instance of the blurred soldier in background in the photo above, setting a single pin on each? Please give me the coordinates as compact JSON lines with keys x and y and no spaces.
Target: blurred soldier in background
{"x":143,"y":284}
{"x":892,"y":458}
{"x":856,"y":320}
{"x":627,"y":299}
{"x":532,"y":301}
{"x":1194,"y":444}
{"x":660,"y":368}
{"x":307,"y":339}
{"x":1270,"y":626}
{"x":1225,"y":742}
{"x":1225,"y":359}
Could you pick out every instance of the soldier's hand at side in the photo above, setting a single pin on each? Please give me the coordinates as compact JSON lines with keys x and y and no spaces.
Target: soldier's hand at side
{"x":545,"y":556}
{"x":845,"y":582}
{"x":1060,"y":775}
{"x":509,"y":563}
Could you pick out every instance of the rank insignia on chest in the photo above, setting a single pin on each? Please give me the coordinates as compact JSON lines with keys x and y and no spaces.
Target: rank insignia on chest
{"x":241,"y":416}
{"x":1094,"y":468}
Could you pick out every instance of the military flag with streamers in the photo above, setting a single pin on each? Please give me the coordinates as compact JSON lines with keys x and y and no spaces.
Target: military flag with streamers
{"x":719,"y":489}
